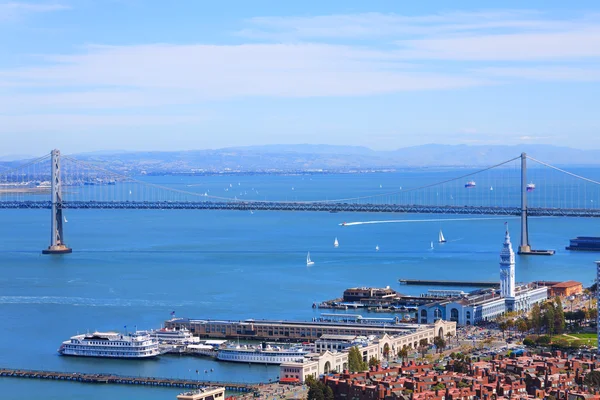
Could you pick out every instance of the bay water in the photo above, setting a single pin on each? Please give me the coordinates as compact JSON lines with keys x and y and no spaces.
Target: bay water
{"x":133,"y":268}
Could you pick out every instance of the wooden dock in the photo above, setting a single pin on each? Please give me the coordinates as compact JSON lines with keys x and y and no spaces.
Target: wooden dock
{"x":123,"y":380}
{"x":438,"y":282}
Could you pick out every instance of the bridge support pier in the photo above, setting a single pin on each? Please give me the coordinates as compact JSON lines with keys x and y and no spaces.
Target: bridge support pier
{"x":524,"y":247}
{"x":57,"y":246}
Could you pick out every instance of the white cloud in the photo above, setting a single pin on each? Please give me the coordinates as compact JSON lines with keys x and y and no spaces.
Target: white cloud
{"x":172,"y":74}
{"x":544,"y":73}
{"x":11,"y":10}
{"x":565,"y":45}
{"x":372,"y":25}
{"x":154,"y":75}
{"x":82,"y":123}
{"x":533,"y":138}
{"x":470,"y":36}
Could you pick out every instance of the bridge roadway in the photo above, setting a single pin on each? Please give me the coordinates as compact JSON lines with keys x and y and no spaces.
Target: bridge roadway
{"x":123,"y":380}
{"x":304,"y":206}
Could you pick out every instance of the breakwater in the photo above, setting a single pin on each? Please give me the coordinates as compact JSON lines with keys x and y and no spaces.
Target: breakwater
{"x":422,"y":282}
{"x":123,"y":380}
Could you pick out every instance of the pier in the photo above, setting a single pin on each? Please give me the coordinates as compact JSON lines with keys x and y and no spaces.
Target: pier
{"x":438,"y":282}
{"x":123,"y":380}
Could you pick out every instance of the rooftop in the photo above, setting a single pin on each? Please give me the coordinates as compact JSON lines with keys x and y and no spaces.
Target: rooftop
{"x":567,"y":284}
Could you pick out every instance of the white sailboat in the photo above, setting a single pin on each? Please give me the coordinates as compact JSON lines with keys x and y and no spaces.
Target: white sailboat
{"x":336,"y":243}
{"x":65,"y":218}
{"x":491,"y":188}
{"x":441,"y":237}
{"x":431,"y":248}
{"x":377,"y":248}
{"x":309,"y":262}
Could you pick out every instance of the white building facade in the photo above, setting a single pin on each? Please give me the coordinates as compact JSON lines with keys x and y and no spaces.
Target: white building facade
{"x":486,"y":305}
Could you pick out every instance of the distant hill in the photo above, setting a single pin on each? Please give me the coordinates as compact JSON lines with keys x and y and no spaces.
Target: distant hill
{"x":307,"y":157}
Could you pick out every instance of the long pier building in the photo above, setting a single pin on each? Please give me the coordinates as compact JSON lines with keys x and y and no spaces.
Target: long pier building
{"x":329,"y":324}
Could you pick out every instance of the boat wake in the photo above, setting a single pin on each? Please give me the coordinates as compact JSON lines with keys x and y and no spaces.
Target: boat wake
{"x":401,"y":221}
{"x":90,"y":302}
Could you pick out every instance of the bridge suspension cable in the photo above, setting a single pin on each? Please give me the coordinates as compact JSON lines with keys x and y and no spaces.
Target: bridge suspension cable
{"x":563,"y":171}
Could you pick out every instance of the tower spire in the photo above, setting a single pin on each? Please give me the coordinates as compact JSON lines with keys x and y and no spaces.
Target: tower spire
{"x":507,"y":267}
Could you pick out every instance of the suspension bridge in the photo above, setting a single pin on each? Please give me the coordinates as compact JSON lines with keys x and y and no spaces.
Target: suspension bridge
{"x":509,"y":188}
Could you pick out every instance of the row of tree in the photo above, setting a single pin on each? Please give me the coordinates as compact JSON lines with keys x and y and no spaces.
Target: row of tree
{"x":317,"y":390}
{"x":548,"y":317}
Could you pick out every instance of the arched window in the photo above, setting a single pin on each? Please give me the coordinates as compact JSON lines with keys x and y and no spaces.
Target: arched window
{"x":454,"y":315}
{"x":468,"y":315}
{"x":423,"y":316}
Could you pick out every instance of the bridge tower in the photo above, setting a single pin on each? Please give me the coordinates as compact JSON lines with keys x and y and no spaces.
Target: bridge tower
{"x":524,"y":248}
{"x":57,"y":246}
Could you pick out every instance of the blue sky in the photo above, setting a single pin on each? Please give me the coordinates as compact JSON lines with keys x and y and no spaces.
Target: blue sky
{"x":86,"y":75}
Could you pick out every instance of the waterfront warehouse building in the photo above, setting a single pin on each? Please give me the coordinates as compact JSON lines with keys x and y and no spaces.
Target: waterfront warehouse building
{"x":487,"y":304}
{"x":331,"y":354}
{"x":207,"y":393}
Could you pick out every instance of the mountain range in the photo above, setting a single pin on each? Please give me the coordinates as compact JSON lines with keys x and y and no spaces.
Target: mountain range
{"x":308,"y":157}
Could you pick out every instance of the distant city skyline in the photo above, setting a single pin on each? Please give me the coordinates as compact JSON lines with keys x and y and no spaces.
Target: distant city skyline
{"x":139,"y":75}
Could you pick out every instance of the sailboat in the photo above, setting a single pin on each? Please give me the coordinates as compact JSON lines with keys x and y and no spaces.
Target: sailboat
{"x":377,"y":248}
{"x":441,"y":237}
{"x":309,"y":262}
{"x":336,"y":243}
{"x":431,"y":246}
{"x":65,"y":218}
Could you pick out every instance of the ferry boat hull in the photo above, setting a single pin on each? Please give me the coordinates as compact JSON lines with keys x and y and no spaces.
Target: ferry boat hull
{"x":257,"y":356}
{"x":138,"y":345}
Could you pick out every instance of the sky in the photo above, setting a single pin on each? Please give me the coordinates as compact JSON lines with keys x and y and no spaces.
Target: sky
{"x":91,"y":75}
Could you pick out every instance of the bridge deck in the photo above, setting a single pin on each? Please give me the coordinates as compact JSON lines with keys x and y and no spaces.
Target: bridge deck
{"x":305,"y":206}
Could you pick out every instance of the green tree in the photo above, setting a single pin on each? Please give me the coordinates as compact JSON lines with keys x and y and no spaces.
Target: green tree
{"x":560,"y":343}
{"x":439,"y":343}
{"x":403,"y":353}
{"x":577,"y":344}
{"x":549,"y":318}
{"x":543,"y":340}
{"x":328,"y":392}
{"x":373,"y":362}
{"x":355,"y":360}
{"x":592,"y":379}
{"x":310,"y":380}
{"x":449,"y":336}
{"x":315,"y":393}
{"x":586,"y":314}
{"x":386,"y":351}
{"x":502,"y":325}
{"x":593,"y":314}
{"x":536,"y":318}
{"x":522,"y":325}
{"x":559,"y":316}
{"x":423,"y":347}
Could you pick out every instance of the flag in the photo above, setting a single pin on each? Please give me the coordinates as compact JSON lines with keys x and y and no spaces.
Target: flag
{"x":172,"y":313}
{"x":125,"y":326}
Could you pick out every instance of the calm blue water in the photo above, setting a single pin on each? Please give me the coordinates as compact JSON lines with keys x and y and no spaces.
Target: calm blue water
{"x":135,"y":267}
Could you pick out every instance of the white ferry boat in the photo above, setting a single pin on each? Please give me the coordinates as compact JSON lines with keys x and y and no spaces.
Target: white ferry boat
{"x":111,"y":345}
{"x":174,"y":336}
{"x":264,"y":354}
